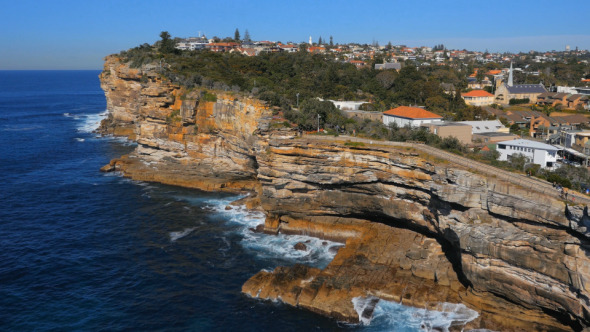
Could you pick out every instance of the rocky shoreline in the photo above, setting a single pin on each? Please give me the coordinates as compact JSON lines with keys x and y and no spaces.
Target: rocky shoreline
{"x":415,"y":232}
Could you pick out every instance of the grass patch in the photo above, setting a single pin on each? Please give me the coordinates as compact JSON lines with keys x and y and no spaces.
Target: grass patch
{"x":354,"y":144}
{"x":208,"y":96}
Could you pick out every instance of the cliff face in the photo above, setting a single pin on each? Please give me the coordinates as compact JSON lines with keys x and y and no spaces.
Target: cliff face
{"x":422,"y":233}
{"x":200,"y":139}
{"x":417,"y":231}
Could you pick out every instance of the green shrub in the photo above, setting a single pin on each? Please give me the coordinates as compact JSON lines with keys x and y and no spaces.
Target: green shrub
{"x":207,"y":96}
{"x":515,"y":101}
{"x":174,"y":116}
{"x":555,"y":178}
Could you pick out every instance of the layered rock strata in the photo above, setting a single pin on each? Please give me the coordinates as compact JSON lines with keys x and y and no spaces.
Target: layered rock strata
{"x":416,"y":231}
{"x":428,"y":234}
{"x":198,"y":138}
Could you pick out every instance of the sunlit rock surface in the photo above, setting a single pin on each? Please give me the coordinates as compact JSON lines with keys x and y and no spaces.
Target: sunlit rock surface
{"x":416,"y":231}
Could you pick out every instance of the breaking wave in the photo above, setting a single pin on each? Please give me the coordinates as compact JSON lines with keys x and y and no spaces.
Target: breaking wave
{"x":180,"y":234}
{"x":90,"y":122}
{"x":381,"y":315}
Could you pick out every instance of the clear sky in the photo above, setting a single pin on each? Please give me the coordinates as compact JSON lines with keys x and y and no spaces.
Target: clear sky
{"x":65,"y":34}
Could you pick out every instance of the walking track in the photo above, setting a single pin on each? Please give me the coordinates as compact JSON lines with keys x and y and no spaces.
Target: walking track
{"x":531,"y":183}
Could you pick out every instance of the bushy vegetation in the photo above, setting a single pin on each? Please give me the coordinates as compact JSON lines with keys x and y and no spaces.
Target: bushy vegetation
{"x":139,"y":56}
{"x":279,"y":77}
{"x":208,"y":96}
{"x":515,"y":101}
{"x":567,"y":176}
{"x":295,"y":81}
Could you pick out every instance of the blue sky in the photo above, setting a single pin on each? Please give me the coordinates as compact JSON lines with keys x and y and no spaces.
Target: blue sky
{"x":64,"y":34}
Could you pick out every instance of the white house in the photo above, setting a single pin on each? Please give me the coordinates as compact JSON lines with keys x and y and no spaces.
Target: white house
{"x":348,"y":105}
{"x":412,"y":116}
{"x":536,"y":152}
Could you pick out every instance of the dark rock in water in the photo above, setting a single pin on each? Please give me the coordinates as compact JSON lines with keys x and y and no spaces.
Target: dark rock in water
{"x":366,"y":307}
{"x":334,"y":249}
{"x":300,"y":246}
{"x":324,"y":243}
{"x":228,"y":207}
{"x":258,"y":229}
{"x":308,"y":241}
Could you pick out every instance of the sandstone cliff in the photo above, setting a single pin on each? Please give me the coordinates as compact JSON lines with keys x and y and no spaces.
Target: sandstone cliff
{"x":201,"y":139}
{"x":417,"y":231}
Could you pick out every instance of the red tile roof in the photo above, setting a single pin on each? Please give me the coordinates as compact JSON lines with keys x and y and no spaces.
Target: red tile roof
{"x":477,"y":93}
{"x":412,"y":113}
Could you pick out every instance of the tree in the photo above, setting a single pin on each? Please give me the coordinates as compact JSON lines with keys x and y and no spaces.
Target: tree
{"x":331,"y":41}
{"x":247,"y":38}
{"x":437,"y":104}
{"x":439,"y":47}
{"x":514,"y":128}
{"x":307,"y":116}
{"x":166,"y":44}
{"x":320,"y":41}
{"x":386,"y":79}
{"x":518,"y":161}
{"x":480,"y":75}
{"x":237,"y":35}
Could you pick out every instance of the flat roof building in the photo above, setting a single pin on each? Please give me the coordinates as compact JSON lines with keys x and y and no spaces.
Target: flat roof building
{"x":460,"y":131}
{"x":536,"y":152}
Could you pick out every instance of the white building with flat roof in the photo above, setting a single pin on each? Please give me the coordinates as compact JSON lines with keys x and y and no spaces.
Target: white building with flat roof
{"x":536,"y":152}
{"x":348,"y":105}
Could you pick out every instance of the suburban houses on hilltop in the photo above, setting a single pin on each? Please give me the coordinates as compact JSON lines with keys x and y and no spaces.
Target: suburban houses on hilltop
{"x":489,"y":83}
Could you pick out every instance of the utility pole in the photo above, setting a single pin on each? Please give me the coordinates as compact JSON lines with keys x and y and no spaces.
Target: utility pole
{"x":319,"y":123}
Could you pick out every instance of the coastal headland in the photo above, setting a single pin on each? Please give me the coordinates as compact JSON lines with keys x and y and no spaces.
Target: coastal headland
{"x":417,"y":230}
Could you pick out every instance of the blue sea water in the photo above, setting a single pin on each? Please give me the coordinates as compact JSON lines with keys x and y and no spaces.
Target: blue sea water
{"x":83,"y":250}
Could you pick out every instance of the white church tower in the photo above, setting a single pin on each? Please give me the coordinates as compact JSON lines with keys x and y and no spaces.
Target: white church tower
{"x":310,"y":42}
{"x":510,"y":77}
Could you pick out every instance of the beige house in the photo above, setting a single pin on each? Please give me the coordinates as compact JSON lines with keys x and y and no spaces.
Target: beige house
{"x":580,"y":140}
{"x":478,"y":98}
{"x":451,"y":129}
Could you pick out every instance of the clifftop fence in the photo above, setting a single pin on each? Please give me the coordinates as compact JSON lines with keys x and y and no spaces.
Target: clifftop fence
{"x":532,"y":183}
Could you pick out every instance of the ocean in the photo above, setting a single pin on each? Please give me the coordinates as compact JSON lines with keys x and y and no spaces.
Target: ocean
{"x":85,"y":250}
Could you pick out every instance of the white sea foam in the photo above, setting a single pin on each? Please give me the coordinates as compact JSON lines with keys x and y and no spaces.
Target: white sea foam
{"x":79,"y":139}
{"x":364,"y":306}
{"x":180,"y":234}
{"x":318,"y":253}
{"x":90,"y":122}
{"x":391,"y":316}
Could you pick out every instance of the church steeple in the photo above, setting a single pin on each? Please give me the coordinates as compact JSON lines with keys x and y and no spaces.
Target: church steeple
{"x":510,"y":77}
{"x":310,"y":42}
